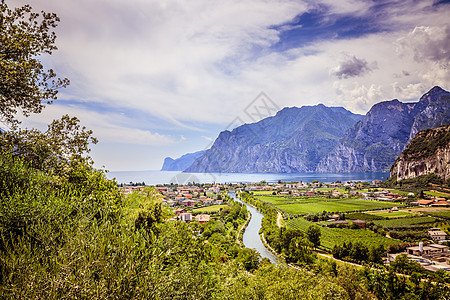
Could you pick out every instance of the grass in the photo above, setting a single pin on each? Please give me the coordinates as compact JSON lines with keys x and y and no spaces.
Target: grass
{"x":308,"y":205}
{"x":362,"y":216}
{"x":404,"y":222}
{"x":336,"y":236}
{"x":436,"y":194}
{"x":210,"y":209}
{"x":257,"y":193}
{"x":398,"y":192}
{"x":394,"y":214}
{"x":445,"y":214}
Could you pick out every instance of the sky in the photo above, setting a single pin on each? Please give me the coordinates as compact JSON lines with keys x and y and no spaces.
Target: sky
{"x":163,"y":78}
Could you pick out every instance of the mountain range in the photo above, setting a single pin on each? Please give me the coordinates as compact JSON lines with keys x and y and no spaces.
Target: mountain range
{"x":324,"y":139}
{"x":294,"y":140}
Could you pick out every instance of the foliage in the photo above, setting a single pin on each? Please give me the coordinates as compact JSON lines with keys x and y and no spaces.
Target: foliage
{"x":24,"y":82}
{"x":313,"y":233}
{"x":59,"y":150}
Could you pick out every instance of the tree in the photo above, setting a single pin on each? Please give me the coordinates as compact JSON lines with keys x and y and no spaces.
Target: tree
{"x":25,"y":85}
{"x":313,"y":233}
{"x":64,"y":142}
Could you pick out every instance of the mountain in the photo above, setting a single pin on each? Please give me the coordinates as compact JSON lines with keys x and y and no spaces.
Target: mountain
{"x":374,"y":142}
{"x":427,"y":153}
{"x":294,"y":140}
{"x":180,"y":163}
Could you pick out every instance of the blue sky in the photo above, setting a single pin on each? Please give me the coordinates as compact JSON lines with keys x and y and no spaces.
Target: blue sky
{"x":163,"y":78}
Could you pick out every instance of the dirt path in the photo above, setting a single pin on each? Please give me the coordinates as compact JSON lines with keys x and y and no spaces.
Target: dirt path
{"x":279,"y":220}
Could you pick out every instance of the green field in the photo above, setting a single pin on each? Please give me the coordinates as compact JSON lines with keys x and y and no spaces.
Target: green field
{"x":210,"y":209}
{"x":402,"y":222}
{"x":337,"y":236}
{"x":436,"y":194}
{"x":309,"y":205}
{"x":256,"y":193}
{"x":394,"y":214}
{"x":445,"y":214}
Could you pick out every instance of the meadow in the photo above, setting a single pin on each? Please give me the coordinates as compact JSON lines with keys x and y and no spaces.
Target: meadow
{"x":310,"y":205}
{"x":336,"y":236}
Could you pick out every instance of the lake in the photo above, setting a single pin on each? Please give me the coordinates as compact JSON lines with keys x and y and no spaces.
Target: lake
{"x":167,"y":177}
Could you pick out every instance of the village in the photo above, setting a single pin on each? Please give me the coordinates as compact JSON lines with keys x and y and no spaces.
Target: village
{"x":199,"y":203}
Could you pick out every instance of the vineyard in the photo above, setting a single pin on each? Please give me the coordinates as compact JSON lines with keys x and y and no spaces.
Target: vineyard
{"x":337,"y":236}
{"x":309,"y":205}
{"x":404,"y":222}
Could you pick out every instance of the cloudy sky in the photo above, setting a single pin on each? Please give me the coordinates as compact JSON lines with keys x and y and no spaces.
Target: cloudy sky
{"x":163,"y":78}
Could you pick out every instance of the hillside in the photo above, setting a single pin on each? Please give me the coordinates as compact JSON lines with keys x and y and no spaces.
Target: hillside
{"x":294,"y":140}
{"x":427,"y":153}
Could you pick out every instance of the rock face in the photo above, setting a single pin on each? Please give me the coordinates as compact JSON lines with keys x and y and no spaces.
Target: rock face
{"x":180,"y":163}
{"x":428,"y":152}
{"x":294,"y":140}
{"x":374,"y":142}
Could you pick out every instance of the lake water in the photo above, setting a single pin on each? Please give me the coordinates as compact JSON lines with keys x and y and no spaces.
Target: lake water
{"x":167,"y":177}
{"x":251,"y":236}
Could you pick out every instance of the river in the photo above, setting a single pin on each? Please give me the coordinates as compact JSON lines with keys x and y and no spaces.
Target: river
{"x":251,"y":236}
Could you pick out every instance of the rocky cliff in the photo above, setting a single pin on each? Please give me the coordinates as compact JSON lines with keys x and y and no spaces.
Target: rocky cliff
{"x":374,"y":142}
{"x":294,"y":140}
{"x":428,"y":152}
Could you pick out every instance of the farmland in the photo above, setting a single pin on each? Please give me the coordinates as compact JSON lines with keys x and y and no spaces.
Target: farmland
{"x":309,"y":205}
{"x":393,"y":214}
{"x":210,"y":209}
{"x":404,"y":222}
{"x":337,"y":236}
{"x":445,"y":214}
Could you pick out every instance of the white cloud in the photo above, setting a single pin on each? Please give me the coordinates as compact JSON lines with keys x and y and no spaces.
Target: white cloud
{"x":197,"y":64}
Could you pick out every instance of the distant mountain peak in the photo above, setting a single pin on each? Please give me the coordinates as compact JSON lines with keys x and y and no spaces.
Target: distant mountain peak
{"x":374,"y":143}
{"x":294,"y":140}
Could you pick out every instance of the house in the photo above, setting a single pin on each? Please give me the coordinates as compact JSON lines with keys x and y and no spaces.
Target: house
{"x":377,"y":182}
{"x":440,"y":203}
{"x":188,"y":202}
{"x":423,"y":202}
{"x":179,"y":211}
{"x":360,"y":223}
{"x":186,"y":217}
{"x":340,"y":222}
{"x":202,"y":218}
{"x":426,"y":250}
{"x":334,"y":217}
{"x":208,"y":201}
{"x":437,"y":235}
{"x":310,"y":193}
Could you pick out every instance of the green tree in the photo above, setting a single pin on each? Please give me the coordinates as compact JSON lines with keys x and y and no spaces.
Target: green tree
{"x":313,"y":233}
{"x":65,"y":143}
{"x":25,"y":85}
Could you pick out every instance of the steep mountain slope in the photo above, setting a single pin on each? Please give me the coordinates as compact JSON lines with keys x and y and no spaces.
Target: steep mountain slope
{"x":294,"y":140}
{"x":428,"y":152}
{"x":374,"y":142}
{"x":180,"y":163}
